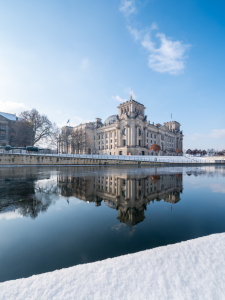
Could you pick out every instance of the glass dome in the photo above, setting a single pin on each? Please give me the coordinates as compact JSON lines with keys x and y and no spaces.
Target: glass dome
{"x":110,"y":120}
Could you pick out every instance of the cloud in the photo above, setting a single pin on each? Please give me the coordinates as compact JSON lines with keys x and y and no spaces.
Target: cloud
{"x":128,"y":7}
{"x":218,"y":188}
{"x":217,"y":133}
{"x":74,"y":121}
{"x":169,"y":57}
{"x":12,"y":107}
{"x":85,"y":63}
{"x":10,"y":215}
{"x":117,"y":98}
{"x":129,"y":91}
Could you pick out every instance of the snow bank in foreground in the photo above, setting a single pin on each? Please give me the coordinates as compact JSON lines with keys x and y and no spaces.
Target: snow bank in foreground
{"x":189,"y":270}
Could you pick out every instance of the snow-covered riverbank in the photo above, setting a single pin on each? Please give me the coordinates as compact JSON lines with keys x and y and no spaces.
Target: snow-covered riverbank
{"x":189,"y":270}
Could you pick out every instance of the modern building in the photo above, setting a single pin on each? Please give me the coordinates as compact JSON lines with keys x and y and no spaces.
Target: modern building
{"x":128,"y":133}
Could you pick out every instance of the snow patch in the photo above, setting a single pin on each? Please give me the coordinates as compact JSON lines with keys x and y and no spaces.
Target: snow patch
{"x":194,"y":269}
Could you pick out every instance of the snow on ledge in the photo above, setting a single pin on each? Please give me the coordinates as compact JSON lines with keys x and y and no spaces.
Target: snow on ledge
{"x":189,"y":270}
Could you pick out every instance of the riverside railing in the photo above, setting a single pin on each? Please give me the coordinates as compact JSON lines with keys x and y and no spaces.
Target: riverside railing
{"x":161,"y":159}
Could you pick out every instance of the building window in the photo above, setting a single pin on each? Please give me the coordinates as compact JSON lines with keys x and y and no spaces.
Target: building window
{"x":110,"y":134}
{"x":139,"y":142}
{"x":111,"y":147}
{"x":147,"y":141}
{"x":103,"y":147}
{"x":151,"y":135}
{"x":2,"y":127}
{"x":110,"y":141}
{"x":94,"y":138}
{"x":151,"y":141}
{"x":103,"y":136}
{"x":2,"y":136}
{"x":147,"y":134}
{"x":124,"y":142}
{"x":106,"y":136}
{"x":98,"y":147}
{"x":154,"y":142}
{"x":124,"y":131}
{"x":154,"y":136}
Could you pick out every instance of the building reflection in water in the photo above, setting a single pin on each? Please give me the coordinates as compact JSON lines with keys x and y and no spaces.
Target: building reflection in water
{"x":129,"y":194}
{"x":31,"y":191}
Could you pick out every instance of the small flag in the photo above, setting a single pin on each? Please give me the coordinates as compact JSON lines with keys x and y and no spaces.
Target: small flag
{"x":68,"y":121}
{"x":171,"y":116}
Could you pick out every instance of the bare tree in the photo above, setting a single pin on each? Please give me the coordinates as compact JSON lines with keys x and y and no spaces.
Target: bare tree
{"x":42,"y":127}
{"x":54,"y":139}
{"x":78,"y":142}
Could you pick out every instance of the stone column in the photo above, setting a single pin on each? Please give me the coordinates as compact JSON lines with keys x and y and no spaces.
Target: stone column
{"x":137,"y":137}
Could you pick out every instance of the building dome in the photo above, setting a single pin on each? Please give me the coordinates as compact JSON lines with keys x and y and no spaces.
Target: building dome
{"x":110,"y":120}
{"x":110,"y":204}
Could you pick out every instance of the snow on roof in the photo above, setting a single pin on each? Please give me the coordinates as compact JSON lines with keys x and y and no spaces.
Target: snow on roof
{"x":10,"y":117}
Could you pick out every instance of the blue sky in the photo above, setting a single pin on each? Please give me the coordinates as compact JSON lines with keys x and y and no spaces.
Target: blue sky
{"x":78,"y":59}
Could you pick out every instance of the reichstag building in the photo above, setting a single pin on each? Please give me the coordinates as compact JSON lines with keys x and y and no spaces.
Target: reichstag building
{"x":128,"y":133}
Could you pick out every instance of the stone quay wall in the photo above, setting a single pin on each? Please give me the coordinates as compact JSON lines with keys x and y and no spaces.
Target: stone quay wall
{"x":13,"y":159}
{"x":29,"y":160}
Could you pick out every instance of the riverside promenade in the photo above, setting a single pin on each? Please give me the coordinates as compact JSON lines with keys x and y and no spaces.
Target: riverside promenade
{"x":13,"y":159}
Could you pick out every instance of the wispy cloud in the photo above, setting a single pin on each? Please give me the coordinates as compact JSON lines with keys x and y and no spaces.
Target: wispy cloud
{"x":128,"y":7}
{"x":10,"y":215}
{"x":218,"y":188}
{"x":85,"y":63}
{"x":129,"y":91}
{"x":74,"y":121}
{"x":12,"y":107}
{"x":169,"y":57}
{"x":217,"y":133}
{"x":118,"y":98}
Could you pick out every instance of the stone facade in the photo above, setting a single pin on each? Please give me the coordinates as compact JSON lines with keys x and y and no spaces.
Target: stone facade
{"x":128,"y":133}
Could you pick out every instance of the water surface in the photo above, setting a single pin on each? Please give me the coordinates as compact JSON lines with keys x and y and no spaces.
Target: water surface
{"x":57,"y":217}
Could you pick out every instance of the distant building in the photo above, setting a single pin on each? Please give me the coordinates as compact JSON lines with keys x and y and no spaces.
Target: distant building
{"x":13,"y":131}
{"x":128,"y":133}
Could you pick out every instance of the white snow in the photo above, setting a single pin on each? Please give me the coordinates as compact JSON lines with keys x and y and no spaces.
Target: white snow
{"x":189,"y":270}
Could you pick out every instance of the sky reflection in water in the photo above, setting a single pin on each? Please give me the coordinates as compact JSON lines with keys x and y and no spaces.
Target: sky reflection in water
{"x":53,"y":218}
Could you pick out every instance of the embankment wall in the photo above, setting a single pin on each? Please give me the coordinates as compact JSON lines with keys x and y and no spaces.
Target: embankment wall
{"x":20,"y":159}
